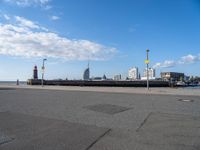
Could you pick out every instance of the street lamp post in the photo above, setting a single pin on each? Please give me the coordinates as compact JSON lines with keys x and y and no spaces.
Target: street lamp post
{"x":147,"y":62}
{"x":43,"y":68}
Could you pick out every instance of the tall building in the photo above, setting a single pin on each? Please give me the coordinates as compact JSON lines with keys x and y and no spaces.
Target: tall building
{"x":151,"y":72}
{"x":86,"y":74}
{"x":133,"y":73}
{"x":35,"y":73}
{"x":104,"y":77}
{"x":117,"y":77}
{"x":174,"y":76}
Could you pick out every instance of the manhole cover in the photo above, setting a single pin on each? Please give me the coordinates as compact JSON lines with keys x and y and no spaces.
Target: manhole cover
{"x":107,"y":108}
{"x":4,"y":138}
{"x":186,"y":100}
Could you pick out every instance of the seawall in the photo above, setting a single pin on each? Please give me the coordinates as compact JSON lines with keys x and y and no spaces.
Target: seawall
{"x":152,"y":83}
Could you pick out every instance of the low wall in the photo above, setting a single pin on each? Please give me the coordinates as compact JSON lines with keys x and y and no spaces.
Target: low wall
{"x":152,"y":83}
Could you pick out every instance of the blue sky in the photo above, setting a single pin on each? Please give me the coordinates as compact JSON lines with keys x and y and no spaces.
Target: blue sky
{"x":112,"y":34}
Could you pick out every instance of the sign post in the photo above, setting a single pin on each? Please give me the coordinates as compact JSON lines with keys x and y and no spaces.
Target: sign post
{"x":43,"y":71}
{"x":147,"y":63}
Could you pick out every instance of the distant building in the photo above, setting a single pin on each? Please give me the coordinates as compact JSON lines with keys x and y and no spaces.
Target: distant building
{"x":133,"y":73}
{"x":117,"y":77}
{"x":86,"y":74}
{"x":35,"y":73}
{"x":151,"y":72}
{"x":172,"y":76}
{"x":100,"y":78}
{"x":104,"y":77}
{"x":186,"y":78}
{"x":139,"y":77}
{"x":97,"y":78}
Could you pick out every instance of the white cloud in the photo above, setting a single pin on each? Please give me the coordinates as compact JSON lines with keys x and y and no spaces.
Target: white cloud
{"x":188,"y":59}
{"x":165,"y":64}
{"x":26,"y":3}
{"x":55,"y":17}
{"x":27,"y":39}
{"x":6,"y":17}
{"x":26,"y":23}
{"x":47,"y":7}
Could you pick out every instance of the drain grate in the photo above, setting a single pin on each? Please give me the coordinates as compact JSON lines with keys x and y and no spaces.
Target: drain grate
{"x":107,"y":108}
{"x":186,"y":100}
{"x":4,"y":138}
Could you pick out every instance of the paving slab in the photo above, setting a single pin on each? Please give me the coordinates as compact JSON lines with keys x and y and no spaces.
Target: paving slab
{"x":26,"y":132}
{"x":170,"y":131}
{"x":159,"y":131}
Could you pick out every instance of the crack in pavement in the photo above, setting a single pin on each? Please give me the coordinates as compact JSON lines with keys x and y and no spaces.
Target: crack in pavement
{"x":144,"y":121}
{"x":99,"y":138}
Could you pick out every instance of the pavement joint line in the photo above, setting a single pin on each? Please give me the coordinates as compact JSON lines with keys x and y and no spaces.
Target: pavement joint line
{"x":99,"y":138}
{"x":144,"y":121}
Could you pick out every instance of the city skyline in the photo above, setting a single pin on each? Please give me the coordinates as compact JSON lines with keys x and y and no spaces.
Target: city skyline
{"x":112,"y":35}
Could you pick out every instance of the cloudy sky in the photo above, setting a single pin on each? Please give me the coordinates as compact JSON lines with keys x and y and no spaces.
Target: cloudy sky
{"x":112,"y":35}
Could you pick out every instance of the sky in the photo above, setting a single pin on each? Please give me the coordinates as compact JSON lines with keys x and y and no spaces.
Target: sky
{"x":112,"y":35}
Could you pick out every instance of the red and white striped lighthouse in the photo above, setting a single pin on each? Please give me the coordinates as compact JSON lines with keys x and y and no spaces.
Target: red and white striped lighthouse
{"x":35,"y":73}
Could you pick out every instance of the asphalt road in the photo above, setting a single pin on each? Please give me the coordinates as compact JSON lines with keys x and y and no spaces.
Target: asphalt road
{"x":74,"y":120}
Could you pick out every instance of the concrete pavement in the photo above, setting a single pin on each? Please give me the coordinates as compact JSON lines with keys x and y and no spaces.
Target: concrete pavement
{"x":64,"y":119}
